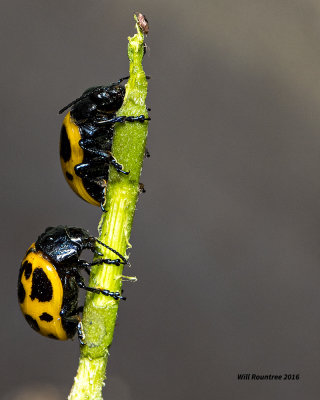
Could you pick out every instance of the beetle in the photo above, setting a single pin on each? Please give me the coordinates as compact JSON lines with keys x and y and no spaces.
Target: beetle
{"x":86,"y":140}
{"x":49,"y":279}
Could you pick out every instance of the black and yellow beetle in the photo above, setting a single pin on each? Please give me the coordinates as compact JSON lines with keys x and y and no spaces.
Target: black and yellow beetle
{"x":86,"y":140}
{"x":49,"y":279}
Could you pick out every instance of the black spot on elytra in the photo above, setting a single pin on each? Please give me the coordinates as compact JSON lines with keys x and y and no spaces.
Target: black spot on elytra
{"x":21,"y":292}
{"x":69,"y":176}
{"x":41,"y":286}
{"x":27,"y":269}
{"x":21,"y":270}
{"x":46,"y":317}
{"x":65,"y":148}
{"x":32,"y":322}
{"x":52,"y":336}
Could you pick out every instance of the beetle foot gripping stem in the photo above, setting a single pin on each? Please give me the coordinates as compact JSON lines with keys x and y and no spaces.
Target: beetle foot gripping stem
{"x":124,"y":260}
{"x":81,"y":335}
{"x":117,"y":166}
{"x":123,"y":118}
{"x":105,"y":292}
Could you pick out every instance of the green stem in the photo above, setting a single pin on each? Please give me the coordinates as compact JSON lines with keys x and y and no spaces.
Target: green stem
{"x":100,"y":312}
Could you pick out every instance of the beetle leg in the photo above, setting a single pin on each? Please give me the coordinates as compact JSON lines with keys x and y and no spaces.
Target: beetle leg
{"x":98,"y":168}
{"x":125,"y":261}
{"x":123,"y":118}
{"x":74,"y":318}
{"x":93,"y":170}
{"x":117,"y":166}
{"x":86,"y":265}
{"x":100,"y":152}
{"x":124,"y":78}
{"x":120,"y":80}
{"x":81,"y":335}
{"x":97,"y":146}
{"x":91,"y":244}
{"x":106,"y":292}
{"x":116,"y":262}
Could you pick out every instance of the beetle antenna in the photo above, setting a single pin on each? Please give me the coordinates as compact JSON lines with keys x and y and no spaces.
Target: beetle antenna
{"x":113,"y":250}
{"x":88,"y":93}
{"x":76,"y":101}
{"x":120,"y":80}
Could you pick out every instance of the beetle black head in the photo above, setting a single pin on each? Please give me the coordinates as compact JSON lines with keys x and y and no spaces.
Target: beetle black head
{"x":107,"y":98}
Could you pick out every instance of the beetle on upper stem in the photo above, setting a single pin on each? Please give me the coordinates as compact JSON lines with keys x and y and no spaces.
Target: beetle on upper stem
{"x":86,"y":140}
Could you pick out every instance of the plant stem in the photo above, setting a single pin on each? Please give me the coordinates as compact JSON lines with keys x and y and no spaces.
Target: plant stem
{"x":100,"y":312}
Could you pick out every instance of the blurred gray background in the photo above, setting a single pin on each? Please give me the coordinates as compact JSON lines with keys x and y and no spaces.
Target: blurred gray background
{"x":226,"y":239}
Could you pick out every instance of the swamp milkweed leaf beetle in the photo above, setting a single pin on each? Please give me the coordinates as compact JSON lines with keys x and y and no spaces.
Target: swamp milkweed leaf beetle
{"x":49,"y":279}
{"x":86,"y":140}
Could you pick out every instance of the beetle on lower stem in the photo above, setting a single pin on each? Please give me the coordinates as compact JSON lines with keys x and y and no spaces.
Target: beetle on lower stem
{"x":49,"y":279}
